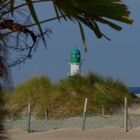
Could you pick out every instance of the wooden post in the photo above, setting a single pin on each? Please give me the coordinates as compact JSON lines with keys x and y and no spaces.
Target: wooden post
{"x":125,"y":114}
{"x":29,"y":118}
{"x":46,"y":113}
{"x":103,"y":110}
{"x":84,"y":113}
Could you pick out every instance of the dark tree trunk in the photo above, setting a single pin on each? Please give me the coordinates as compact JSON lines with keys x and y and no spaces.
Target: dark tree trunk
{"x":3,"y":112}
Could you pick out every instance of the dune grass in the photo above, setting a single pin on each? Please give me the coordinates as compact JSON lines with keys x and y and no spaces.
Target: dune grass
{"x":66,"y":97}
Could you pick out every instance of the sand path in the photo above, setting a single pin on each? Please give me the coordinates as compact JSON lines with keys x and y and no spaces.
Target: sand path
{"x":75,"y":134}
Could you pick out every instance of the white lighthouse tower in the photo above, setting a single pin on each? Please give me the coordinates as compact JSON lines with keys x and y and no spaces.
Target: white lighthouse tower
{"x":75,"y":62}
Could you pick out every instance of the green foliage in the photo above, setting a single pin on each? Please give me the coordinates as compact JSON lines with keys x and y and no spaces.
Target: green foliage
{"x":66,"y":97}
{"x":91,"y":12}
{"x":88,"y":13}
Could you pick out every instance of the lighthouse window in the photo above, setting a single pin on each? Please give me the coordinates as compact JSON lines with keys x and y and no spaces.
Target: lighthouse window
{"x":73,"y":55}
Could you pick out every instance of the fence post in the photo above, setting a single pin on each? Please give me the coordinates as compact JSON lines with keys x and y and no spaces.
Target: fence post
{"x":84,"y":113}
{"x":125,"y":114}
{"x":29,"y":118}
{"x":46,"y":113}
{"x":103,"y":110}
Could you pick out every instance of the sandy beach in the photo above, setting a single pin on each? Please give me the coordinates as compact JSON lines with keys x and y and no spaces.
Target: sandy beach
{"x":76,"y":134}
{"x":106,"y":133}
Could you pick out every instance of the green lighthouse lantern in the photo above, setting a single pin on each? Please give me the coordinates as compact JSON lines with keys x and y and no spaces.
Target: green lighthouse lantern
{"x":75,"y":56}
{"x":75,"y":62}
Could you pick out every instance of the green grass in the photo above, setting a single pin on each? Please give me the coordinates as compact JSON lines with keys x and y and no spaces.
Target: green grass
{"x":66,"y":97}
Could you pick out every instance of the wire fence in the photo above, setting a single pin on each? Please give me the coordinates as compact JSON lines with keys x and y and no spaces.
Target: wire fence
{"x":32,"y":123}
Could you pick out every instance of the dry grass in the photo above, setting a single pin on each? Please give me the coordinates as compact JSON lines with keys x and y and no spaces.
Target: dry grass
{"x":66,"y":98}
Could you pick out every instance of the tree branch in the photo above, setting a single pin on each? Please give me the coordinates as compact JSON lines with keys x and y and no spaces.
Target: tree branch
{"x":22,"y":5}
{"x":44,"y":21}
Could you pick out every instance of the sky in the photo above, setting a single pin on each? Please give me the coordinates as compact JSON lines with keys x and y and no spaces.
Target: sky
{"x":119,"y":59}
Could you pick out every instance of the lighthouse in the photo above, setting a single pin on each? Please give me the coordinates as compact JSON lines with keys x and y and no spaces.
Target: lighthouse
{"x":75,"y":62}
